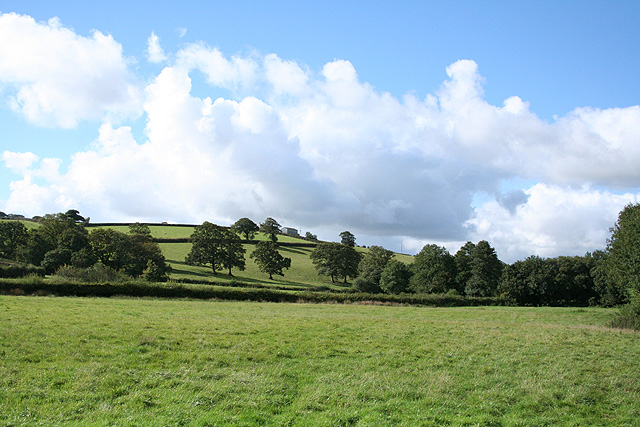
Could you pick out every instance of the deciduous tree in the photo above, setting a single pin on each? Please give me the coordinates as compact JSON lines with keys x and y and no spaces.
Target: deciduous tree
{"x":271,"y":227}
{"x":434,"y":270}
{"x":207,"y":246}
{"x":347,"y":239}
{"x":395,"y":277}
{"x":269,"y":260}
{"x":245,"y":226}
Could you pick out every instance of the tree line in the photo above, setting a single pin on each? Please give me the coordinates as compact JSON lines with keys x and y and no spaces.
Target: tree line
{"x":606,"y":277}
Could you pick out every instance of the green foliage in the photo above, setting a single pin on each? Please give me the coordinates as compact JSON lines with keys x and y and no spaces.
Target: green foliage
{"x":13,"y":234}
{"x":373,"y":263}
{"x":207,"y":246}
{"x":97,"y":273}
{"x":609,"y":291}
{"x":217,"y":247}
{"x":434,"y":270}
{"x":140,"y":229}
{"x":623,"y":262}
{"x":245,"y":226}
{"x":271,"y":227}
{"x":361,"y":284}
{"x":233,"y":252}
{"x":395,"y":277}
{"x":55,"y":259}
{"x":336,"y":260}
{"x":309,"y":236}
{"x":464,"y":259}
{"x":486,"y":270}
{"x":269,"y":260}
{"x":112,"y":248}
{"x":347,"y":239}
{"x":10,"y":269}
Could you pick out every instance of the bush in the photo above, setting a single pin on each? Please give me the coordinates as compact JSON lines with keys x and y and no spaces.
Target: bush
{"x":629,"y":316}
{"x":97,"y":273}
{"x":15,"y":270}
{"x":360,"y":284}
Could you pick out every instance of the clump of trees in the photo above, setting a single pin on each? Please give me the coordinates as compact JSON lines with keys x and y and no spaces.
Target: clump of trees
{"x":221,"y":248}
{"x":217,"y":247}
{"x":62,"y":239}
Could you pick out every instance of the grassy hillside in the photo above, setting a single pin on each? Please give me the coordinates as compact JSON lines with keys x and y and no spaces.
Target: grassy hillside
{"x":302,"y":273}
{"x":79,"y":361}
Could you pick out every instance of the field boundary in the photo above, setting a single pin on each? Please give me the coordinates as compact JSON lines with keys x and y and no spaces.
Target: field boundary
{"x":172,"y":290}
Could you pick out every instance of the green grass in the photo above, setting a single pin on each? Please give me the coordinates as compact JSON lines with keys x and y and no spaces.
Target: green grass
{"x":126,"y":362}
{"x":302,"y":273}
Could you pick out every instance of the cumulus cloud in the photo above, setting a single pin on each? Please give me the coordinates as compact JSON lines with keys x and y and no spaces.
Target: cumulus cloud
{"x":155,"y":53}
{"x":325,"y":151}
{"x":59,"y":77}
{"x":552,"y":221}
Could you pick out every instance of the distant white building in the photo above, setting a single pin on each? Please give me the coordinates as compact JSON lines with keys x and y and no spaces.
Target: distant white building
{"x":290,"y":231}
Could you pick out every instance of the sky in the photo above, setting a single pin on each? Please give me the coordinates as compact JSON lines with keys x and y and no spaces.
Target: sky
{"x":407,"y":122}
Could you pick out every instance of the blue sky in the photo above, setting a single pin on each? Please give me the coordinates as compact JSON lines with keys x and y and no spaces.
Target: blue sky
{"x":407,"y":122}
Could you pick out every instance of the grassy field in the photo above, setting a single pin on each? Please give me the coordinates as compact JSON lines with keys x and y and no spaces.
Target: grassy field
{"x":302,"y":273}
{"x":126,"y":362}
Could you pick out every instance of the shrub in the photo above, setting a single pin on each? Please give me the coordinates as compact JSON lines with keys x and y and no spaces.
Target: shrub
{"x":97,"y":273}
{"x":360,"y":284}
{"x":15,"y":270}
{"x":629,"y":316}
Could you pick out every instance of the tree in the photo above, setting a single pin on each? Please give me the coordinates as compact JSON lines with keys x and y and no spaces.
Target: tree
{"x":233,"y":252}
{"x":13,"y":234}
{"x":527,"y":282}
{"x":610,"y":292}
{"x":335,"y":260}
{"x":325,"y":259}
{"x":269,"y":260}
{"x":464,"y":259}
{"x":623,"y":262}
{"x":486,"y":269}
{"x":395,"y":277}
{"x":347,"y":239}
{"x":208,"y":246}
{"x":373,"y":263}
{"x":434,"y":270}
{"x":349,"y":259}
{"x":309,"y":236}
{"x":140,"y":229}
{"x":73,"y":215}
{"x":112,"y":248}
{"x":247,"y":227}
{"x":271,"y":227}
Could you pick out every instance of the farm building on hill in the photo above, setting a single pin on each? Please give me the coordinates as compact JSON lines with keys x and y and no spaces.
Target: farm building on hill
{"x":290,"y":231}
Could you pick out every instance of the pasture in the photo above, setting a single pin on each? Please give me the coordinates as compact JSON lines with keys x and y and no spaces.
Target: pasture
{"x":103,"y":362}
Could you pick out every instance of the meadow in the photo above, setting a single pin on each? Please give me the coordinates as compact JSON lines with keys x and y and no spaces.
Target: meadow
{"x":132,"y":362}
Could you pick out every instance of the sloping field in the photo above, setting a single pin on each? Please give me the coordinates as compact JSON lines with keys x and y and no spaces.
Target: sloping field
{"x":78,"y":361}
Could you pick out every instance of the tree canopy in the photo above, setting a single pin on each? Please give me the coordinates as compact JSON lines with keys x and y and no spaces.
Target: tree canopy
{"x":347,"y":238}
{"x":269,"y":260}
{"x":271,"y":227}
{"x":247,"y":227}
{"x":217,"y":247}
{"x":434,"y":270}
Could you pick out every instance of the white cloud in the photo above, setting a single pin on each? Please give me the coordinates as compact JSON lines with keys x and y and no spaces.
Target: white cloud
{"x":328,"y":152}
{"x":155,"y":53}
{"x":552,"y":221}
{"x":60,"y":77}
